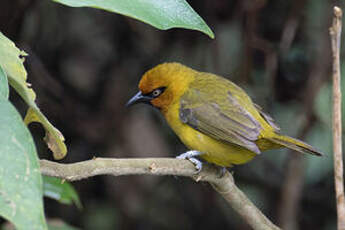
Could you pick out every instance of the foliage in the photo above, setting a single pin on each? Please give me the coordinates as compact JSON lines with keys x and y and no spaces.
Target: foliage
{"x":60,"y":190}
{"x":160,"y":14}
{"x":21,"y":194}
{"x":11,"y":59}
{"x":20,"y":178}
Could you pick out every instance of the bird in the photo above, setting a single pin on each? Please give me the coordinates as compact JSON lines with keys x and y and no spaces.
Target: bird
{"x":214,"y":118}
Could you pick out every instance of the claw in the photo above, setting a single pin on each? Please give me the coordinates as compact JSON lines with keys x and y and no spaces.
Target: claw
{"x":190,"y":155}
{"x":222,"y":172}
{"x":197,"y":163}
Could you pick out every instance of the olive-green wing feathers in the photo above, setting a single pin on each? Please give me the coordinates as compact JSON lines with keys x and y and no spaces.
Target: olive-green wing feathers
{"x":268,"y":118}
{"x":219,"y":114}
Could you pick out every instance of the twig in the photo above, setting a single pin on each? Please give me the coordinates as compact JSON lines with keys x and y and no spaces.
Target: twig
{"x":335,"y":33}
{"x":224,"y":185}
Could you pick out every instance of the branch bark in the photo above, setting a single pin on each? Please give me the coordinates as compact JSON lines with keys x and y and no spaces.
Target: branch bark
{"x":335,"y":33}
{"x":224,"y":185}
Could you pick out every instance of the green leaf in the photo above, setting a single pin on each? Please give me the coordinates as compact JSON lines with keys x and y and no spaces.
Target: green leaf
{"x":54,"y":137}
{"x":11,"y":60}
{"x":3,"y":85}
{"x":20,"y":178}
{"x":160,"y":14}
{"x":61,"y":191}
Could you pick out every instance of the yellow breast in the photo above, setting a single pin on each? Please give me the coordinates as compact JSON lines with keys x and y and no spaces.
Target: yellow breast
{"x":214,"y":151}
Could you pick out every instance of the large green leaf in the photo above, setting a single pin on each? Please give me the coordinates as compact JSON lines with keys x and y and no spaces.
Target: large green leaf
{"x":3,"y":84}
{"x":11,"y":60}
{"x":160,"y":14}
{"x":20,"y":179}
{"x":61,"y":191}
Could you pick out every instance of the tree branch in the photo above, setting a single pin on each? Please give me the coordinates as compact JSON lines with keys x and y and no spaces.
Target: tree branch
{"x":335,"y":33}
{"x":224,"y":185}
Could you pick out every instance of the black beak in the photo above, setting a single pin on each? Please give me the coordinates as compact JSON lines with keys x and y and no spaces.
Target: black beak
{"x":139,"y":98}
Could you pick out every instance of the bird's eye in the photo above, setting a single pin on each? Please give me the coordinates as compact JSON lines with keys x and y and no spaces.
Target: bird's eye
{"x":157,"y":92}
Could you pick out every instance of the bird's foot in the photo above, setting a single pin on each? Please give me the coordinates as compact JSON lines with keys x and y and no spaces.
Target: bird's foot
{"x":222,"y":172}
{"x":190,"y":155}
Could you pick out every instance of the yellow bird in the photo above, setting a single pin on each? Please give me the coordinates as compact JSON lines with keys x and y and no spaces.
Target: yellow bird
{"x":212,"y":116}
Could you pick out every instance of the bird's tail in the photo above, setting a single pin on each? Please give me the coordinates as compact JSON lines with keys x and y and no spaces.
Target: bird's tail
{"x":295,"y":144}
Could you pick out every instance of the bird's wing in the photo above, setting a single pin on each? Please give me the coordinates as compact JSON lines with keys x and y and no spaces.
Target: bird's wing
{"x":222,"y":118}
{"x":268,"y":118}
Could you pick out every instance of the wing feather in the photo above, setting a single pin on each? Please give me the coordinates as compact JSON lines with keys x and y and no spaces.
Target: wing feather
{"x":222,"y":118}
{"x":268,"y":118}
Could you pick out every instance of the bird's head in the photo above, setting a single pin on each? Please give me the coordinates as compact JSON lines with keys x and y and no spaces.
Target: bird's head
{"x":163,"y":85}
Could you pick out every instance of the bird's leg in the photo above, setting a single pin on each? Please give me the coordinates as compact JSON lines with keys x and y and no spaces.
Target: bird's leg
{"x":190,"y":155}
{"x":222,"y":172}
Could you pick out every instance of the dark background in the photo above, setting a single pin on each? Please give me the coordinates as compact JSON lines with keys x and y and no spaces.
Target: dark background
{"x":84,"y":64}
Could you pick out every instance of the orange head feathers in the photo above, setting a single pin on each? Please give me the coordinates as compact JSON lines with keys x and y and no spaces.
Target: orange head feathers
{"x":163,"y":84}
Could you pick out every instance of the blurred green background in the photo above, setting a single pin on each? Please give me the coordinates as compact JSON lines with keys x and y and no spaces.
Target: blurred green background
{"x":84,"y":64}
